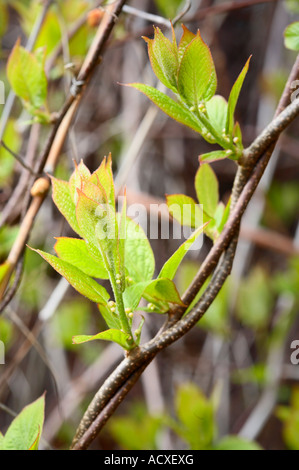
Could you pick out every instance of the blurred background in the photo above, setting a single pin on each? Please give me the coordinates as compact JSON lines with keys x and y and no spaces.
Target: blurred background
{"x":234,"y":373}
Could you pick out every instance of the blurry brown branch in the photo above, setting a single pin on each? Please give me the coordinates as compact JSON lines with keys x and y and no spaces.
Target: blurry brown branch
{"x":48,"y":159}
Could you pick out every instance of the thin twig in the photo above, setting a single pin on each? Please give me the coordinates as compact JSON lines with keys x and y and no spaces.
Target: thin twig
{"x":18,"y":158}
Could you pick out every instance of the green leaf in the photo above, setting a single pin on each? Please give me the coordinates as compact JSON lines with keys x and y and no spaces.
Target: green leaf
{"x":185,"y":210}
{"x":75,"y":252}
{"x":133,"y":294}
{"x":186,"y":38}
{"x":196,"y":77}
{"x":233,"y":98}
{"x":158,"y":290}
{"x":104,"y":176}
{"x":237,"y":134}
{"x":163,"y":290}
{"x":169,"y":106}
{"x":169,"y":269}
{"x":207,"y":190}
{"x":110,"y":317}
{"x":27,"y":76}
{"x":213,"y":156}
{"x":164,"y":60}
{"x":25,"y":430}
{"x":236,"y":443}
{"x":99,"y":228}
{"x":84,"y":284}
{"x":116,"y":336}
{"x":138,"y":330}
{"x":217,"y":112}
{"x":80,"y":175}
{"x":139,"y":256}
{"x":291,"y":36}
{"x":63,"y":200}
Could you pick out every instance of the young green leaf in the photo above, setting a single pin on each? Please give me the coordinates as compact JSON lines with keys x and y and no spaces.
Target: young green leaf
{"x":84,"y":284}
{"x":170,"y":107}
{"x":25,"y":430}
{"x":214,"y":156}
{"x":185,"y":210}
{"x":133,"y":294}
{"x":233,"y":98}
{"x":27,"y":76}
{"x":116,"y":336}
{"x":186,"y":38}
{"x":217,"y":112}
{"x":170,"y":268}
{"x":206,"y":186}
{"x":196,"y":76}
{"x":137,"y":332}
{"x":62,"y":198}
{"x":110,"y":317}
{"x":139,"y":256}
{"x":78,"y":177}
{"x":158,"y":290}
{"x":237,"y":137}
{"x":104,"y":176}
{"x":99,"y":228}
{"x":75,"y":252}
{"x":164,"y":60}
{"x":291,"y":36}
{"x":163,"y":290}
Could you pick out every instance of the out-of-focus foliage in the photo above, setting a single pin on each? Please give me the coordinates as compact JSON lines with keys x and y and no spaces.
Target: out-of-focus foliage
{"x":167,"y":8}
{"x":289,"y":415}
{"x":194,"y":423}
